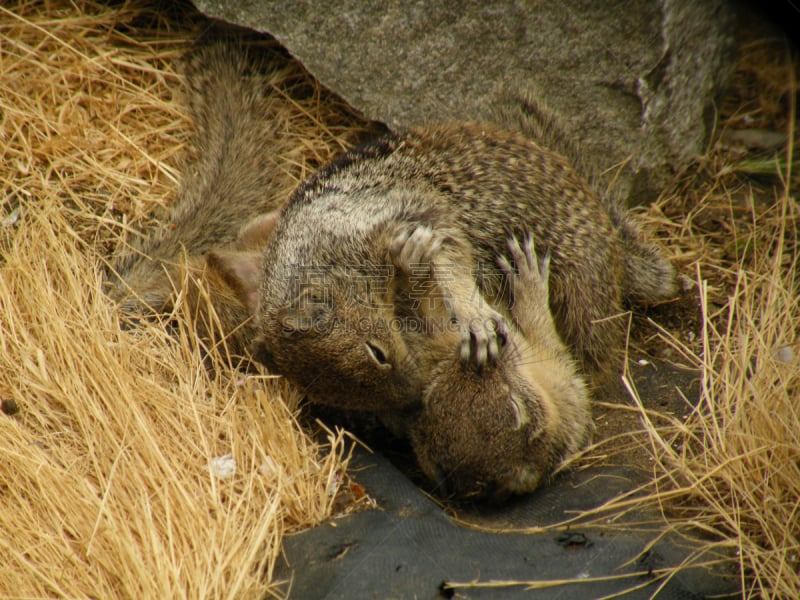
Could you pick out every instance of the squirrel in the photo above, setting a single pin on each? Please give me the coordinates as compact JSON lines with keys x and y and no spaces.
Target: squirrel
{"x":230,"y":182}
{"x":499,"y":431}
{"x":328,"y":310}
{"x":418,"y":219}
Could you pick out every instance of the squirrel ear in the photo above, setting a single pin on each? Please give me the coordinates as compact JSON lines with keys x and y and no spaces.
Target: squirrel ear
{"x":255,"y":233}
{"x":241,"y":270}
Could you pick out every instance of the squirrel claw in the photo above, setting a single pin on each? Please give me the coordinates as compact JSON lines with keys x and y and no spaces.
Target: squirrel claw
{"x":528,"y":274}
{"x":482,"y":338}
{"x":414,"y":248}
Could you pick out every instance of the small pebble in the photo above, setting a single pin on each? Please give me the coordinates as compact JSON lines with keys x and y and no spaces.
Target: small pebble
{"x":269,"y":468}
{"x":223,"y":466}
{"x":334,"y":485}
{"x":12,"y":218}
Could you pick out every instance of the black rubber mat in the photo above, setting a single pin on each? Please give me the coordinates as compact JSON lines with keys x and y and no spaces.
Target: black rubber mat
{"x":410,"y":547}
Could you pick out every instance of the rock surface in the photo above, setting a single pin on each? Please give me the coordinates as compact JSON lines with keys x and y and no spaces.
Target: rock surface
{"x":631,"y":82}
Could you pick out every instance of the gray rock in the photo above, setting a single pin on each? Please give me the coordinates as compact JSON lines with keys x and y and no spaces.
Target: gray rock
{"x":629,"y":82}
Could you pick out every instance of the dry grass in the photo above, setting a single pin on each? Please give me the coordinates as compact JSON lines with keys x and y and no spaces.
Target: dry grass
{"x":730,"y":472}
{"x":111,"y":477}
{"x":733,"y":468}
{"x":115,"y":478}
{"x":88,"y":119}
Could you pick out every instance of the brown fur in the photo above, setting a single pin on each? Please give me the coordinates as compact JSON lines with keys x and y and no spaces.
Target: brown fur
{"x":418,"y":219}
{"x":505,"y":428}
{"x":471,"y":184}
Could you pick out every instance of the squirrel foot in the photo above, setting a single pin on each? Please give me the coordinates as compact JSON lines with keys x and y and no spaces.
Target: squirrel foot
{"x":417,"y":253}
{"x":528,"y":275}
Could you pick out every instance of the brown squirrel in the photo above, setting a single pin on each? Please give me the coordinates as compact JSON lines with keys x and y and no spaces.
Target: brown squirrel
{"x":503,"y":429}
{"x":325,"y":328}
{"x":419,"y":218}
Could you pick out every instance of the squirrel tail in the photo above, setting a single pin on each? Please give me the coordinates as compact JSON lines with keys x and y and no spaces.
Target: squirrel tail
{"x":236,"y":117}
{"x":231,"y":176}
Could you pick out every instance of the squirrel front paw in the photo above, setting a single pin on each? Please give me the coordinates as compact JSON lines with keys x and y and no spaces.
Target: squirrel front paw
{"x":528,"y":276}
{"x":484,"y":332}
{"x":415,"y":249}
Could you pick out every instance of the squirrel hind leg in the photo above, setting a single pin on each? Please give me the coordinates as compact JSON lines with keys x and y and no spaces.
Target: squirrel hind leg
{"x":647,"y":274}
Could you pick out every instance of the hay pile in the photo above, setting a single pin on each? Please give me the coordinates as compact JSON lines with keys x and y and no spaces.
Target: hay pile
{"x":732,"y":468}
{"x":128,"y":469}
{"x":728,"y":469}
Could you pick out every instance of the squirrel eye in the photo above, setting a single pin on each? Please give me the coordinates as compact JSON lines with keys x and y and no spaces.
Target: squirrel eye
{"x":378,"y":355}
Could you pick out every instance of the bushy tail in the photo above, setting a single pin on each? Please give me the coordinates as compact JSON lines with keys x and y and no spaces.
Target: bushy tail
{"x":234,"y":172}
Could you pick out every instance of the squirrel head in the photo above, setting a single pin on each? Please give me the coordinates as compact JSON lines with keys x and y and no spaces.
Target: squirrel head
{"x":341,"y":349}
{"x":480,"y":437}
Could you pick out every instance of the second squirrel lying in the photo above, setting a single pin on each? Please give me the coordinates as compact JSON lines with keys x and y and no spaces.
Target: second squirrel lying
{"x":501,"y":430}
